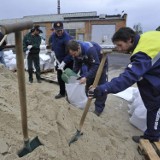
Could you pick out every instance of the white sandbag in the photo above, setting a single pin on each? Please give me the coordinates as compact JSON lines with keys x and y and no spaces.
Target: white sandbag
{"x":9,"y":55}
{"x":137,"y":101}
{"x":51,"y":66}
{"x":46,"y":66}
{"x":12,"y":65}
{"x":138,"y":118}
{"x":8,"y":52}
{"x":43,"y":47}
{"x":127,"y":94}
{"x":76,"y":94}
{"x":137,"y":109}
{"x":44,"y":57}
{"x":43,"y":42}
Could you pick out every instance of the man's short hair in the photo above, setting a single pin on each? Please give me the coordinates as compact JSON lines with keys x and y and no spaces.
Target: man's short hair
{"x":123,"y":34}
{"x":73,"y":45}
{"x":37,"y":28}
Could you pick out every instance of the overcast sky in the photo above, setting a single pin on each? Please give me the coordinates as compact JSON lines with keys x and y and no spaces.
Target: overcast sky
{"x":145,"y":12}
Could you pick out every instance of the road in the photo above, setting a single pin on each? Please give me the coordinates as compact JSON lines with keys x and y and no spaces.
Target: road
{"x":118,"y":60}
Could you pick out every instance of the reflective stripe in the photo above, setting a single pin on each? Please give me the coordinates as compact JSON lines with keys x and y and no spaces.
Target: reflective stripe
{"x":157,"y":119}
{"x":90,"y":44}
{"x":156,"y":58}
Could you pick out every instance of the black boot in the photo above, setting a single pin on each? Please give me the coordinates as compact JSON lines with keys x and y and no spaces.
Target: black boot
{"x":138,"y":138}
{"x":59,"y":96}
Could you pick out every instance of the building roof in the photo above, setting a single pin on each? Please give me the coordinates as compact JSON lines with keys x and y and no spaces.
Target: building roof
{"x":60,"y":17}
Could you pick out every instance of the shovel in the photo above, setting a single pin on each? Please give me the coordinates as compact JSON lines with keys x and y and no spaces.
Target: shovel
{"x":95,"y":83}
{"x":29,"y":146}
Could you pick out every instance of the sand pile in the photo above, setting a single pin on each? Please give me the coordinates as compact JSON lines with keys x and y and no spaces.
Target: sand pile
{"x":107,"y":137}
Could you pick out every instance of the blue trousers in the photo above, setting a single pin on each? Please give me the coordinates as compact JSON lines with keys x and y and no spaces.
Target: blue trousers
{"x":151,"y":99}
{"x":100,"y":101}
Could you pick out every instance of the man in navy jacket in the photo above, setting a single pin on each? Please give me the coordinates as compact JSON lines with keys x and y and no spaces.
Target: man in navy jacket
{"x":59,"y":40}
{"x":87,"y":57}
{"x":144,"y":69}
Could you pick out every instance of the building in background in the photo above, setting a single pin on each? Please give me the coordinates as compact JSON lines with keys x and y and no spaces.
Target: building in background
{"x":85,"y":26}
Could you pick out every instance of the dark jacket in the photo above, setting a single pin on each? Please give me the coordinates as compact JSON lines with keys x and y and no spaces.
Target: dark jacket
{"x":34,"y":40}
{"x":59,"y":47}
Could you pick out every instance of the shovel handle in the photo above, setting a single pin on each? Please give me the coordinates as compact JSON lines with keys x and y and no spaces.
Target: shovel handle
{"x":15,"y":27}
{"x":95,"y":83}
{"x":3,"y":39}
{"x":21,"y":83}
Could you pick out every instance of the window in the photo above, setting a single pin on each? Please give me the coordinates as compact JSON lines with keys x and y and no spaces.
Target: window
{"x":81,"y":37}
{"x":103,"y":33}
{"x":71,"y":32}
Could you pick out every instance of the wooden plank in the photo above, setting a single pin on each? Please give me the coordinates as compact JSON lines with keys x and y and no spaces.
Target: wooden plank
{"x":157,"y":147}
{"x":46,"y":71}
{"x":49,"y":77}
{"x":148,"y":150}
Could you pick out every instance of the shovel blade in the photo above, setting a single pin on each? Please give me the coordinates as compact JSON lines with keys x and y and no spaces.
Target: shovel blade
{"x":29,"y":146}
{"x":75,"y":137}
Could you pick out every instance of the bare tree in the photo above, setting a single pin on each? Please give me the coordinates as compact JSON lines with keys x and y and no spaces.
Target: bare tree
{"x":158,"y":28}
{"x":138,"y":28}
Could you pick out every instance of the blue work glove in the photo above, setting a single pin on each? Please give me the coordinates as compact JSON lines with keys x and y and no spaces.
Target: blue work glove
{"x":96,"y":92}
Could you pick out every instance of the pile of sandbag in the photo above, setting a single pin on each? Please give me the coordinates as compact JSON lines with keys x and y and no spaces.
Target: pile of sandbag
{"x":10,"y":60}
{"x":46,"y":59}
{"x":137,"y":109}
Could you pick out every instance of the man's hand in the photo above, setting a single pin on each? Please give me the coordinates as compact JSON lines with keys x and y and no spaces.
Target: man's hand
{"x":82,"y":80}
{"x":61,"y":65}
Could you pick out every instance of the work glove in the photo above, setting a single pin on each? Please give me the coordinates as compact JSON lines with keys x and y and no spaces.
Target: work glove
{"x":61,"y":65}
{"x":96,"y":92}
{"x":29,"y":47}
{"x":82,"y":80}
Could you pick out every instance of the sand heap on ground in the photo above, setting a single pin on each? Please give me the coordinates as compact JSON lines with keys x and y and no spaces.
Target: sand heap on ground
{"x":107,"y":137}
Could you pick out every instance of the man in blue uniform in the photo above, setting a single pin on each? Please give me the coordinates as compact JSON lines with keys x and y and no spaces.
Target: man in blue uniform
{"x":144,"y":69}
{"x":59,"y":40}
{"x":87,"y":58}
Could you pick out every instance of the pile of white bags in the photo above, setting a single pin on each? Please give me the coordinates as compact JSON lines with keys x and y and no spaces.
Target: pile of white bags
{"x":137,"y":109}
{"x":10,"y":60}
{"x":46,"y":59}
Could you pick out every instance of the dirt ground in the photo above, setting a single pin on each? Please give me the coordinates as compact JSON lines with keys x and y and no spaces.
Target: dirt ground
{"x":107,"y":137}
